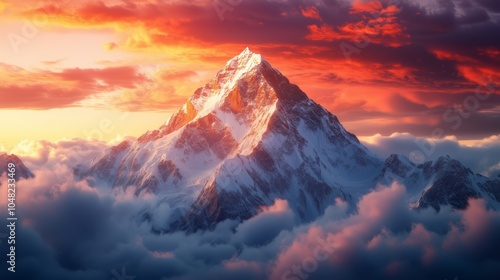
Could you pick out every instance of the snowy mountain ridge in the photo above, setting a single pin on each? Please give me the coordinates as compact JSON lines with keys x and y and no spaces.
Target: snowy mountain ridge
{"x":249,"y":137}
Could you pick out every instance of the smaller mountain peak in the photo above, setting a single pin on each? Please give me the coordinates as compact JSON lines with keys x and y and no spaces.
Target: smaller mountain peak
{"x":446,"y":163}
{"x":393,"y":157}
{"x":22,"y":170}
{"x":446,"y":159}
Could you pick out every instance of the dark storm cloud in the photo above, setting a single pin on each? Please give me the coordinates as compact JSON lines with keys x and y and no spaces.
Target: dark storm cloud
{"x":475,"y":15}
{"x":491,"y":5}
{"x":457,"y":26}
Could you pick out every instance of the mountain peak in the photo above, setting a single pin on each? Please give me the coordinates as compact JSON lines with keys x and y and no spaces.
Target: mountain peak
{"x":249,"y":64}
{"x":248,"y":56}
{"x":244,"y":62}
{"x":247,"y":52}
{"x":247,"y":87}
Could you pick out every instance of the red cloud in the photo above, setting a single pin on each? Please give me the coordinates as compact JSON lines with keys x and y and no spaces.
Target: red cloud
{"x":190,"y":35}
{"x":324,"y":32}
{"x":363,"y":6}
{"x":378,"y":25}
{"x":310,"y":12}
{"x":45,"y":89}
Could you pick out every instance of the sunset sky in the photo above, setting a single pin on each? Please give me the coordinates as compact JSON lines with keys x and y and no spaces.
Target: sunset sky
{"x":105,"y":68}
{"x":277,"y":190}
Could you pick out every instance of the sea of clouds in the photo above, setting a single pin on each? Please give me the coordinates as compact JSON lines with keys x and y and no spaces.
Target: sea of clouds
{"x":70,"y":230}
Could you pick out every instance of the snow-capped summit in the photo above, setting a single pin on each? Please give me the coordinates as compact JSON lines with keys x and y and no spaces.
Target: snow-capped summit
{"x":244,"y":62}
{"x":245,"y":139}
{"x":242,"y":93}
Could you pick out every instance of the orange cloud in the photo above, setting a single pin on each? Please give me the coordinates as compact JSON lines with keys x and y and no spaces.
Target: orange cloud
{"x":363,"y":6}
{"x":378,"y":25}
{"x":374,"y":27}
{"x":190,"y":37}
{"x":324,"y":32}
{"x":381,"y":26}
{"x":448,"y":55}
{"x":492,"y":52}
{"x":480,"y":75}
{"x":472,"y":68}
{"x":310,"y":12}
{"x":40,"y":89}
{"x":163,"y":90}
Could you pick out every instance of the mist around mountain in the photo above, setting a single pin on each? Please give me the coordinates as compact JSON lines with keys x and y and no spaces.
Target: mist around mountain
{"x":251,"y":179}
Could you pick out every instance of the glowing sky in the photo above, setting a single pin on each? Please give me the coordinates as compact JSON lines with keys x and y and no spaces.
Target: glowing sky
{"x":68,"y":67}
